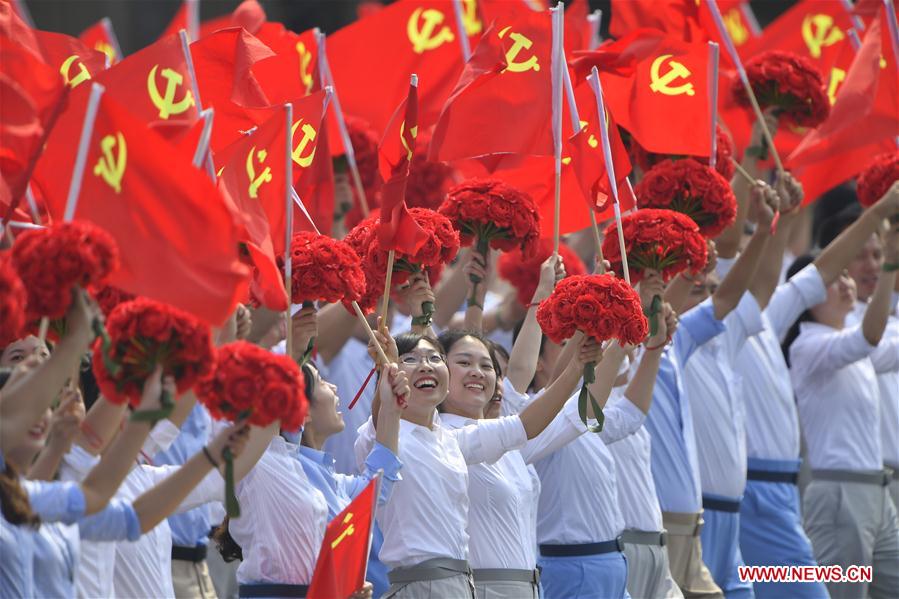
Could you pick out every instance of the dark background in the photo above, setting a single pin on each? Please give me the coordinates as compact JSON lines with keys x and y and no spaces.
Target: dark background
{"x":138,"y":23}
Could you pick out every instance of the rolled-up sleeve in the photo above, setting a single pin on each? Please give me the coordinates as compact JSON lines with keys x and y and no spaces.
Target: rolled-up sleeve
{"x":696,"y":327}
{"x":380,"y":458}
{"x":829,"y":350}
{"x":744,"y":322}
{"x":622,"y":418}
{"x":116,"y":522}
{"x":56,"y":501}
{"x":805,"y":290}
{"x":160,"y":438}
{"x":564,"y":428}
{"x":488,"y":440}
{"x":365,"y":441}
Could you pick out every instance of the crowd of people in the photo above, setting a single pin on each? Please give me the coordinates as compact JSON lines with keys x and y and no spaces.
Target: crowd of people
{"x":756,"y":423}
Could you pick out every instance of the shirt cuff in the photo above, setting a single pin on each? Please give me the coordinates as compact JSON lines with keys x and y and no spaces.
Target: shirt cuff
{"x":76,"y":504}
{"x":750,"y":314}
{"x":160,"y":438}
{"x":810,"y":285}
{"x":894,"y":302}
{"x":78,"y":463}
{"x":724,"y":265}
{"x":381,"y":458}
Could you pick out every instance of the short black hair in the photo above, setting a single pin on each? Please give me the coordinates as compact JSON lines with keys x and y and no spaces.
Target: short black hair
{"x":832,"y":227}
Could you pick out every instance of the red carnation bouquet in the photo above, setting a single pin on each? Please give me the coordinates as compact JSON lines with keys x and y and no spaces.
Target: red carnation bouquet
{"x":691,"y":188}
{"x":13,"y":299}
{"x":108,"y":297}
{"x":790,"y":84}
{"x":662,"y":240}
{"x":322,"y":269}
{"x":143,"y":334}
{"x":724,"y":151}
{"x":600,"y":306}
{"x":490,"y":213}
{"x":876,"y":180}
{"x":250,"y":383}
{"x":439,"y":249}
{"x":53,"y":261}
{"x":524,"y":273}
{"x":428,"y":179}
{"x":365,"y":149}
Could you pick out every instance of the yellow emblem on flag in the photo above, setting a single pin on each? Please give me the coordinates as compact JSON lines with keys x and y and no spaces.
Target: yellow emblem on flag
{"x":106,"y":49}
{"x":166,"y":104}
{"x":406,"y":144}
{"x":111,"y":167}
{"x":309,"y":134}
{"x":82,"y":76}
{"x":425,"y":36}
{"x":470,"y":20}
{"x":663,"y":83}
{"x":264,"y":177}
{"x":734,"y":25}
{"x":305,"y":60}
{"x":836,"y":78}
{"x":818,"y":31}
{"x":519,"y":43}
{"x":348,"y":531}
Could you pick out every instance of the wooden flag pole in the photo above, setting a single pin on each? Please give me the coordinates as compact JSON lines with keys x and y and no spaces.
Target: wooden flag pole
{"x":385,"y":302}
{"x":325,"y":69}
{"x":596,"y":86}
{"x":558,"y":65}
{"x":371,"y":334}
{"x":288,"y":233}
{"x":713,"y":102}
{"x":732,"y":51}
{"x":743,"y":172}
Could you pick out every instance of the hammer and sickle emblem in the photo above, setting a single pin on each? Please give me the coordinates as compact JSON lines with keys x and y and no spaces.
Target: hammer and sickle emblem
{"x":111,"y":167}
{"x":264,"y":177}
{"x":348,"y":531}
{"x":82,"y":76}
{"x":592,"y":141}
{"x":413,"y":132}
{"x":425,"y":38}
{"x":836,"y":78}
{"x":470,"y":20}
{"x":734,"y":25}
{"x":305,"y":60}
{"x":662,"y":84}
{"x":818,"y":32}
{"x":309,"y":134}
{"x":520,"y":43}
{"x":106,"y":49}
{"x":166,"y":104}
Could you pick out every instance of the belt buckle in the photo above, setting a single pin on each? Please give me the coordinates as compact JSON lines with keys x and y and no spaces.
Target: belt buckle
{"x":663,"y":538}
{"x":535,"y":576}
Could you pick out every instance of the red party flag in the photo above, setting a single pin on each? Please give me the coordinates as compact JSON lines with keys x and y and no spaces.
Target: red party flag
{"x":503,"y":100}
{"x":74,"y":61}
{"x":177,"y":239}
{"x":154,"y":83}
{"x":647,"y":77}
{"x":343,"y":557}
{"x":379,"y":52}
{"x":248,"y":14}
{"x":863,"y":121}
{"x":397,"y":229}
{"x":101,"y":37}
{"x":677,"y":18}
{"x":187,"y":18}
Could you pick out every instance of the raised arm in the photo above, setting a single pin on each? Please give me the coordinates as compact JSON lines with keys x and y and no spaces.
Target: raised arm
{"x":64,"y":424}
{"x":450,"y":292}
{"x":878,"y":311}
{"x":393,"y":386}
{"x":767,"y":274}
{"x":639,"y":390}
{"x":477,"y":266}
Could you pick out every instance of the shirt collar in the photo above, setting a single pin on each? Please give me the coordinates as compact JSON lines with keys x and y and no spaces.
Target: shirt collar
{"x":453,"y":421}
{"x":317,"y":456}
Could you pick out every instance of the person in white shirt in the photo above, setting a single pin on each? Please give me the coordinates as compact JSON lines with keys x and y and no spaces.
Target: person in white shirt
{"x":426,"y":543}
{"x":849,"y":515}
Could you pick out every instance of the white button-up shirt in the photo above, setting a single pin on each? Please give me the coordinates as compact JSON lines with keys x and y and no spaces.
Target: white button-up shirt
{"x":886,"y":364}
{"x":715,"y":392}
{"x":282,"y":519}
{"x":838,"y":398}
{"x":427,"y":514}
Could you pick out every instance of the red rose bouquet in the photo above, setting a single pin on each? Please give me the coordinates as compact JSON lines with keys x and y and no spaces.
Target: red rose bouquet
{"x":439,"y":249}
{"x":724,"y":151}
{"x":251,"y":383}
{"x":790,"y":84}
{"x":53,"y":261}
{"x":874,"y":182}
{"x":600,"y":306}
{"x":489,"y":213}
{"x":691,"y":188}
{"x":13,"y":299}
{"x":524,"y":273}
{"x":143,"y":334}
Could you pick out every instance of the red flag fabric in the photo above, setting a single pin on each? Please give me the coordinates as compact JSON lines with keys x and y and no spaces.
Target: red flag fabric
{"x":677,"y":18}
{"x":74,"y":61}
{"x":248,"y":14}
{"x":223,"y":63}
{"x":397,"y":229}
{"x":101,"y":37}
{"x":187,"y":18}
{"x":862,"y":123}
{"x":154,"y":83}
{"x":647,"y":77}
{"x":503,"y":100}
{"x":296,"y":55}
{"x":342,"y":559}
{"x":313,"y":174}
{"x":403,"y":38}
{"x":177,"y":239}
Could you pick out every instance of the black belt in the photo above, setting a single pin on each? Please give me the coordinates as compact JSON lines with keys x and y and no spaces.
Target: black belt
{"x":582,"y":549}
{"x":189,"y":554}
{"x":773,"y":477}
{"x":272,"y":590}
{"x":720,"y":505}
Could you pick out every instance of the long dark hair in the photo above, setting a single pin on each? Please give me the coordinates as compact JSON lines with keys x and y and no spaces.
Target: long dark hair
{"x":793,"y":332}
{"x":14,"y":502}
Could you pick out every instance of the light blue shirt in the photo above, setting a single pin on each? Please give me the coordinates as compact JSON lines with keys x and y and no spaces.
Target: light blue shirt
{"x":675,"y":461}
{"x":191,"y":528}
{"x":340,"y":489}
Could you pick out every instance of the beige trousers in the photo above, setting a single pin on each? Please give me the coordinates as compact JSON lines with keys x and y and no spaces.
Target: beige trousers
{"x":460,"y":586}
{"x":649,"y":573}
{"x":191,"y":580}
{"x":685,"y":554}
{"x":506,"y":590}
